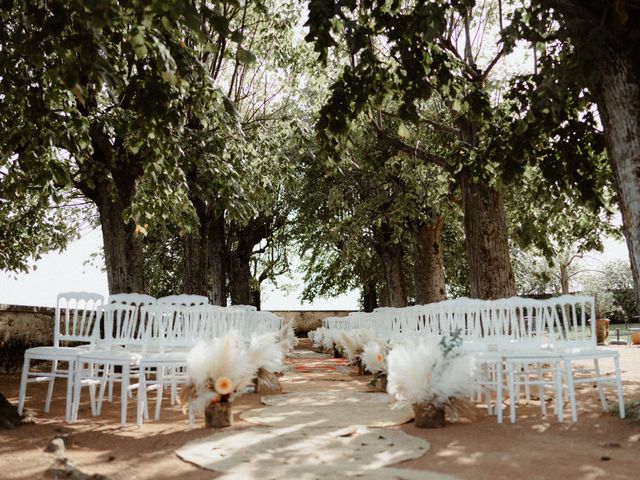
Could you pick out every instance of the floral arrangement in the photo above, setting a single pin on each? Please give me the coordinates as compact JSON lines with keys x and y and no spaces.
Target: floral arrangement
{"x":324,"y":339}
{"x":430,"y":370}
{"x":352,"y":343}
{"x":221,"y":369}
{"x":374,"y":356}
{"x":287,"y":339}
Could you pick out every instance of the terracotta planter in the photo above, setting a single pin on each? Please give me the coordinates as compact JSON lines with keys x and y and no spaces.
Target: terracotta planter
{"x":602,"y":330}
{"x":218,"y":415}
{"x":635,"y":338}
{"x":428,"y":415}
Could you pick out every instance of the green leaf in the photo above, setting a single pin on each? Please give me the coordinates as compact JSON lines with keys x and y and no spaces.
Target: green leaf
{"x":245,"y":56}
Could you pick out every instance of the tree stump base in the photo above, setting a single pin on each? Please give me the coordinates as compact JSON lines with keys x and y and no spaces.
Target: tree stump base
{"x":428,"y":415}
{"x":267,"y":383}
{"x":9,"y":417}
{"x":218,"y":415}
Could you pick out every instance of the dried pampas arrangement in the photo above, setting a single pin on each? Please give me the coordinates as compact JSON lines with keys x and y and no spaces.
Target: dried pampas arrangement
{"x":432,"y":370}
{"x":220,"y":369}
{"x":287,"y":339}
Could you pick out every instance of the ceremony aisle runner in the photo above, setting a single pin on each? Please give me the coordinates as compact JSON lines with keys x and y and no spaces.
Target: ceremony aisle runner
{"x":315,"y":433}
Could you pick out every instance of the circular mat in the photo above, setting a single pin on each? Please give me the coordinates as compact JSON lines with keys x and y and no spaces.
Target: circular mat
{"x":324,"y":472}
{"x":266,"y":449}
{"x":328,"y":410}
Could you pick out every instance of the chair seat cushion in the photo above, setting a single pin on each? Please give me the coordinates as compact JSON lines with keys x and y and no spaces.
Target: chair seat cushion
{"x":169,"y":357}
{"x":111,"y":356}
{"x":52,"y":353}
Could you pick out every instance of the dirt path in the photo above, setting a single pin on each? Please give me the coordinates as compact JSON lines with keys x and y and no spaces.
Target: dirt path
{"x":598,"y":446}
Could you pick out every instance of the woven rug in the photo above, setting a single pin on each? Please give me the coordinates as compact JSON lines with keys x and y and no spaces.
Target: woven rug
{"x":328,"y":410}
{"x":354,"y":449}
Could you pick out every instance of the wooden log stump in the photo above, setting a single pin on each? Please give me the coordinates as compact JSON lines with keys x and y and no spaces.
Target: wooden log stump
{"x":428,"y":415}
{"x":218,"y":415}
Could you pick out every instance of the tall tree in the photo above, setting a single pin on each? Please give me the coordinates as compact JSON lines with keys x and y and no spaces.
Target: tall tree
{"x":411,"y":52}
{"x":589,"y":48}
{"x":93,"y":100}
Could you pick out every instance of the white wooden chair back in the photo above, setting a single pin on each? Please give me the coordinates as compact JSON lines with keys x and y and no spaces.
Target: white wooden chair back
{"x":77,"y":317}
{"x":184,"y":300}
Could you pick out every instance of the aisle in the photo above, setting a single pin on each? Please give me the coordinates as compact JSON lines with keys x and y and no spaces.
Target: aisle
{"x":327,"y":423}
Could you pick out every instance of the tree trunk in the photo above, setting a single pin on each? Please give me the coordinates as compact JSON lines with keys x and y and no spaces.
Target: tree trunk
{"x":196,"y":246}
{"x":369,"y":297}
{"x":490,"y":271}
{"x":239,"y":279}
{"x":564,"y":279}
{"x":122,"y":246}
{"x":429,"y":263}
{"x":392,"y":261}
{"x":218,"y":260}
{"x":385,"y":300}
{"x":617,"y":90}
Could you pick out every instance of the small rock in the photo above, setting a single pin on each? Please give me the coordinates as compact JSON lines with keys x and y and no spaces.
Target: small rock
{"x":56,"y":446}
{"x":605,"y":458}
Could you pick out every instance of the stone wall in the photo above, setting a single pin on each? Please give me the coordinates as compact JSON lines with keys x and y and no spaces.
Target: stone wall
{"x":304,"y":321}
{"x":23,"y":327}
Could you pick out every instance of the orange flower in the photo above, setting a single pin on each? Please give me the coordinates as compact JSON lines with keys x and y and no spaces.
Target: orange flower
{"x":380,"y":358}
{"x":223,"y":385}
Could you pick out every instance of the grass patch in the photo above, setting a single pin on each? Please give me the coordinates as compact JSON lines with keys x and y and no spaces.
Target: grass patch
{"x":631,"y":410}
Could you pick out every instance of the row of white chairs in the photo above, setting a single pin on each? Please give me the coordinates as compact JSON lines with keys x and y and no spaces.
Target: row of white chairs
{"x":135,"y":340}
{"x":530,"y":342}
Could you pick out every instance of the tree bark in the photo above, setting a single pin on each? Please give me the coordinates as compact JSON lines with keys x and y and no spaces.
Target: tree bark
{"x":490,"y":271}
{"x":429,"y":262}
{"x":617,"y":88}
{"x":196,"y":246}
{"x":122,"y":246}
{"x":369,"y":297}
{"x":392,"y":260}
{"x":240,"y":279}
{"x":218,"y":259}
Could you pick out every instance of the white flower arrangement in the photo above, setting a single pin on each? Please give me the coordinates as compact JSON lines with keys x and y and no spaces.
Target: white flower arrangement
{"x":430,"y":370}
{"x":374,"y":356}
{"x":352,"y":342}
{"x":220,"y":369}
{"x":287,"y":339}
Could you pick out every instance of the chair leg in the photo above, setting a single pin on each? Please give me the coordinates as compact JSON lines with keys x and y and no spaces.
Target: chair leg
{"x":603,"y":398}
{"x":543,"y":404}
{"x":512,"y":392}
{"x":92,"y":389}
{"x":70,"y":384}
{"x":54,"y":369}
{"x":77,"y":387}
{"x":159,"y":391}
{"x":24,"y":380}
{"x":123,"y":394}
{"x":557,"y":380}
{"x":104,"y":378}
{"x":616,"y":363}
{"x":142,"y":395}
{"x":571,"y":389}
{"x":498,"y":379}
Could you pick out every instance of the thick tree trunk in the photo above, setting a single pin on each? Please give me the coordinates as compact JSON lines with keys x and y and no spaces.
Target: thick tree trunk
{"x":369,"y":297}
{"x":490,"y":271}
{"x":392,"y":261}
{"x":196,"y":246}
{"x":122,"y":246}
{"x":218,"y":260}
{"x":385,"y":299}
{"x":618,"y":95}
{"x":240,"y":280}
{"x":429,"y":263}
